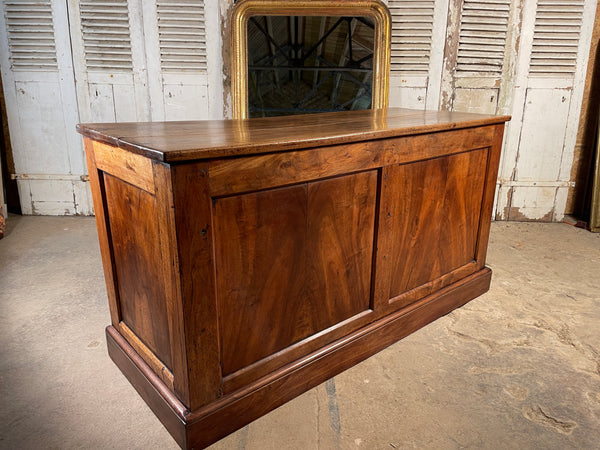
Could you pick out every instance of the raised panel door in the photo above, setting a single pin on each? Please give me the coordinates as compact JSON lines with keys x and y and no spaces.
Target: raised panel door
{"x":429,"y":224}
{"x":291,"y":262}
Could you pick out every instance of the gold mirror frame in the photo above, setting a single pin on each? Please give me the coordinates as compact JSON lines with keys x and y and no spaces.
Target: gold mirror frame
{"x":245,"y":9}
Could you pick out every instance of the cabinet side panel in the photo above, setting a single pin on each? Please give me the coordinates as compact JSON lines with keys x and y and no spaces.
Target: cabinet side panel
{"x":437,"y":214}
{"x":140,"y":284}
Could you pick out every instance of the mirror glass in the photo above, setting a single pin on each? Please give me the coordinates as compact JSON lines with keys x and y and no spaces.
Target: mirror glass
{"x":309,"y":64}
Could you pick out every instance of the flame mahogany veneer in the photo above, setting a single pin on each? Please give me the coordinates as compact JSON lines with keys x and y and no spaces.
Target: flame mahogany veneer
{"x":248,"y":261}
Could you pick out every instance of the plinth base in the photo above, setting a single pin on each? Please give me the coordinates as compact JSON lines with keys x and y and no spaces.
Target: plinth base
{"x":206,"y":425}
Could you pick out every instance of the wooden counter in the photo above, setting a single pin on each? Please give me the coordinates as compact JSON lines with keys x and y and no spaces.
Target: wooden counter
{"x":248,"y":261}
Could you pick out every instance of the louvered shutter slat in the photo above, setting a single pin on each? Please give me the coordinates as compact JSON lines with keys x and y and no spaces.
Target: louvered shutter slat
{"x":482,"y":37}
{"x":106,"y":35}
{"x":556,"y":37}
{"x":412,"y":28}
{"x":30,"y":29}
{"x":182,"y":35}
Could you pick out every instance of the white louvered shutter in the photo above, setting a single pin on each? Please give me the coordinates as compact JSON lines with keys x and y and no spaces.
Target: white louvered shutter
{"x":556,"y":38}
{"x":106,"y":36}
{"x":476,"y":75}
{"x":108,"y":57}
{"x":412,"y":30}
{"x":182,"y":35}
{"x":30,"y":30}
{"x":176,"y":36}
{"x":482,"y":37}
{"x":549,"y":89}
{"x":39,"y":89}
{"x":418,"y":29}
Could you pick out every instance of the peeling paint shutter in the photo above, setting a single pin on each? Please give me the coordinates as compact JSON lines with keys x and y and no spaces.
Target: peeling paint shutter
{"x":134,"y":60}
{"x":412,"y":30}
{"x":482,"y":38}
{"x":30,"y":30}
{"x":477,"y":66}
{"x":106,"y":38}
{"x":41,"y":110}
{"x":556,"y":38}
{"x":176,"y":51}
{"x":108,"y":60}
{"x":539,"y":146}
{"x":417,"y":50}
{"x":182,"y":36}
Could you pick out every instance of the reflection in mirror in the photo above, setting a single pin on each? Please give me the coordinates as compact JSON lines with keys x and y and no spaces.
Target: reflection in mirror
{"x":300,"y":65}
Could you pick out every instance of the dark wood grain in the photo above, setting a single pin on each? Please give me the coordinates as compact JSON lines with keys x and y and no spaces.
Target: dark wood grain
{"x":136,"y":250}
{"x":194,"y":237}
{"x":184,"y":141}
{"x":276,"y":169}
{"x":435,"y":210}
{"x":341,"y":219}
{"x":487,"y":204}
{"x":124,"y":165}
{"x":292,"y":262}
{"x":169,"y":263}
{"x":157,"y":366}
{"x":260,"y":261}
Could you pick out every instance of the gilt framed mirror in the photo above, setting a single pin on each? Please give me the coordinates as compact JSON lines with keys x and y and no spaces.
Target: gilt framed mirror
{"x":305,"y":56}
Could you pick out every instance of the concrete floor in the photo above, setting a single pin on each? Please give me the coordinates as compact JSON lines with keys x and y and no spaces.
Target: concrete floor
{"x":516,"y":368}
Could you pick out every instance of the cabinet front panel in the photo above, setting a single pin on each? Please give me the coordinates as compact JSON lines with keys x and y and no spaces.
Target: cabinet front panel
{"x":436,"y":208}
{"x":136,"y":253}
{"x":291,"y":262}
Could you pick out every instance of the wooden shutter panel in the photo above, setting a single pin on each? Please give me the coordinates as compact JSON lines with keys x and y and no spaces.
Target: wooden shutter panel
{"x":482,"y":38}
{"x":182,"y":35}
{"x":412,"y":28}
{"x":556,"y":37}
{"x":106,"y":37}
{"x":30,"y":30}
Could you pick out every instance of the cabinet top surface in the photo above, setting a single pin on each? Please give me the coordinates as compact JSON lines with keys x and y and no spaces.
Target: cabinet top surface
{"x":204,"y":139}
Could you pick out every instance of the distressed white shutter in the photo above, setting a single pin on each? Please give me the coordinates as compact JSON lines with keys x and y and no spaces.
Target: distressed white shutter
{"x":30,"y":28}
{"x":556,"y":38}
{"x":418,"y":28}
{"x":117,"y":50}
{"x":178,"y":59}
{"x":412,"y":30}
{"x":476,"y":76}
{"x":182,"y":35}
{"x":106,"y":37}
{"x":538,"y":156}
{"x":37,"y":74}
{"x":108,"y":54}
{"x":482,"y":38}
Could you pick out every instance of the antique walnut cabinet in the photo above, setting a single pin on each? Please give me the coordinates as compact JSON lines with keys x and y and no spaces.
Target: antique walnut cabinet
{"x":248,"y":261}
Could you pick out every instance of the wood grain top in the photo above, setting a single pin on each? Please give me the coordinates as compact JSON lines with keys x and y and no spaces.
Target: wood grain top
{"x":193,"y":140}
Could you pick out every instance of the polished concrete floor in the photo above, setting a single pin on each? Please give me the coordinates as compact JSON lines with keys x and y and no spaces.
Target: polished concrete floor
{"x":516,"y":368}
